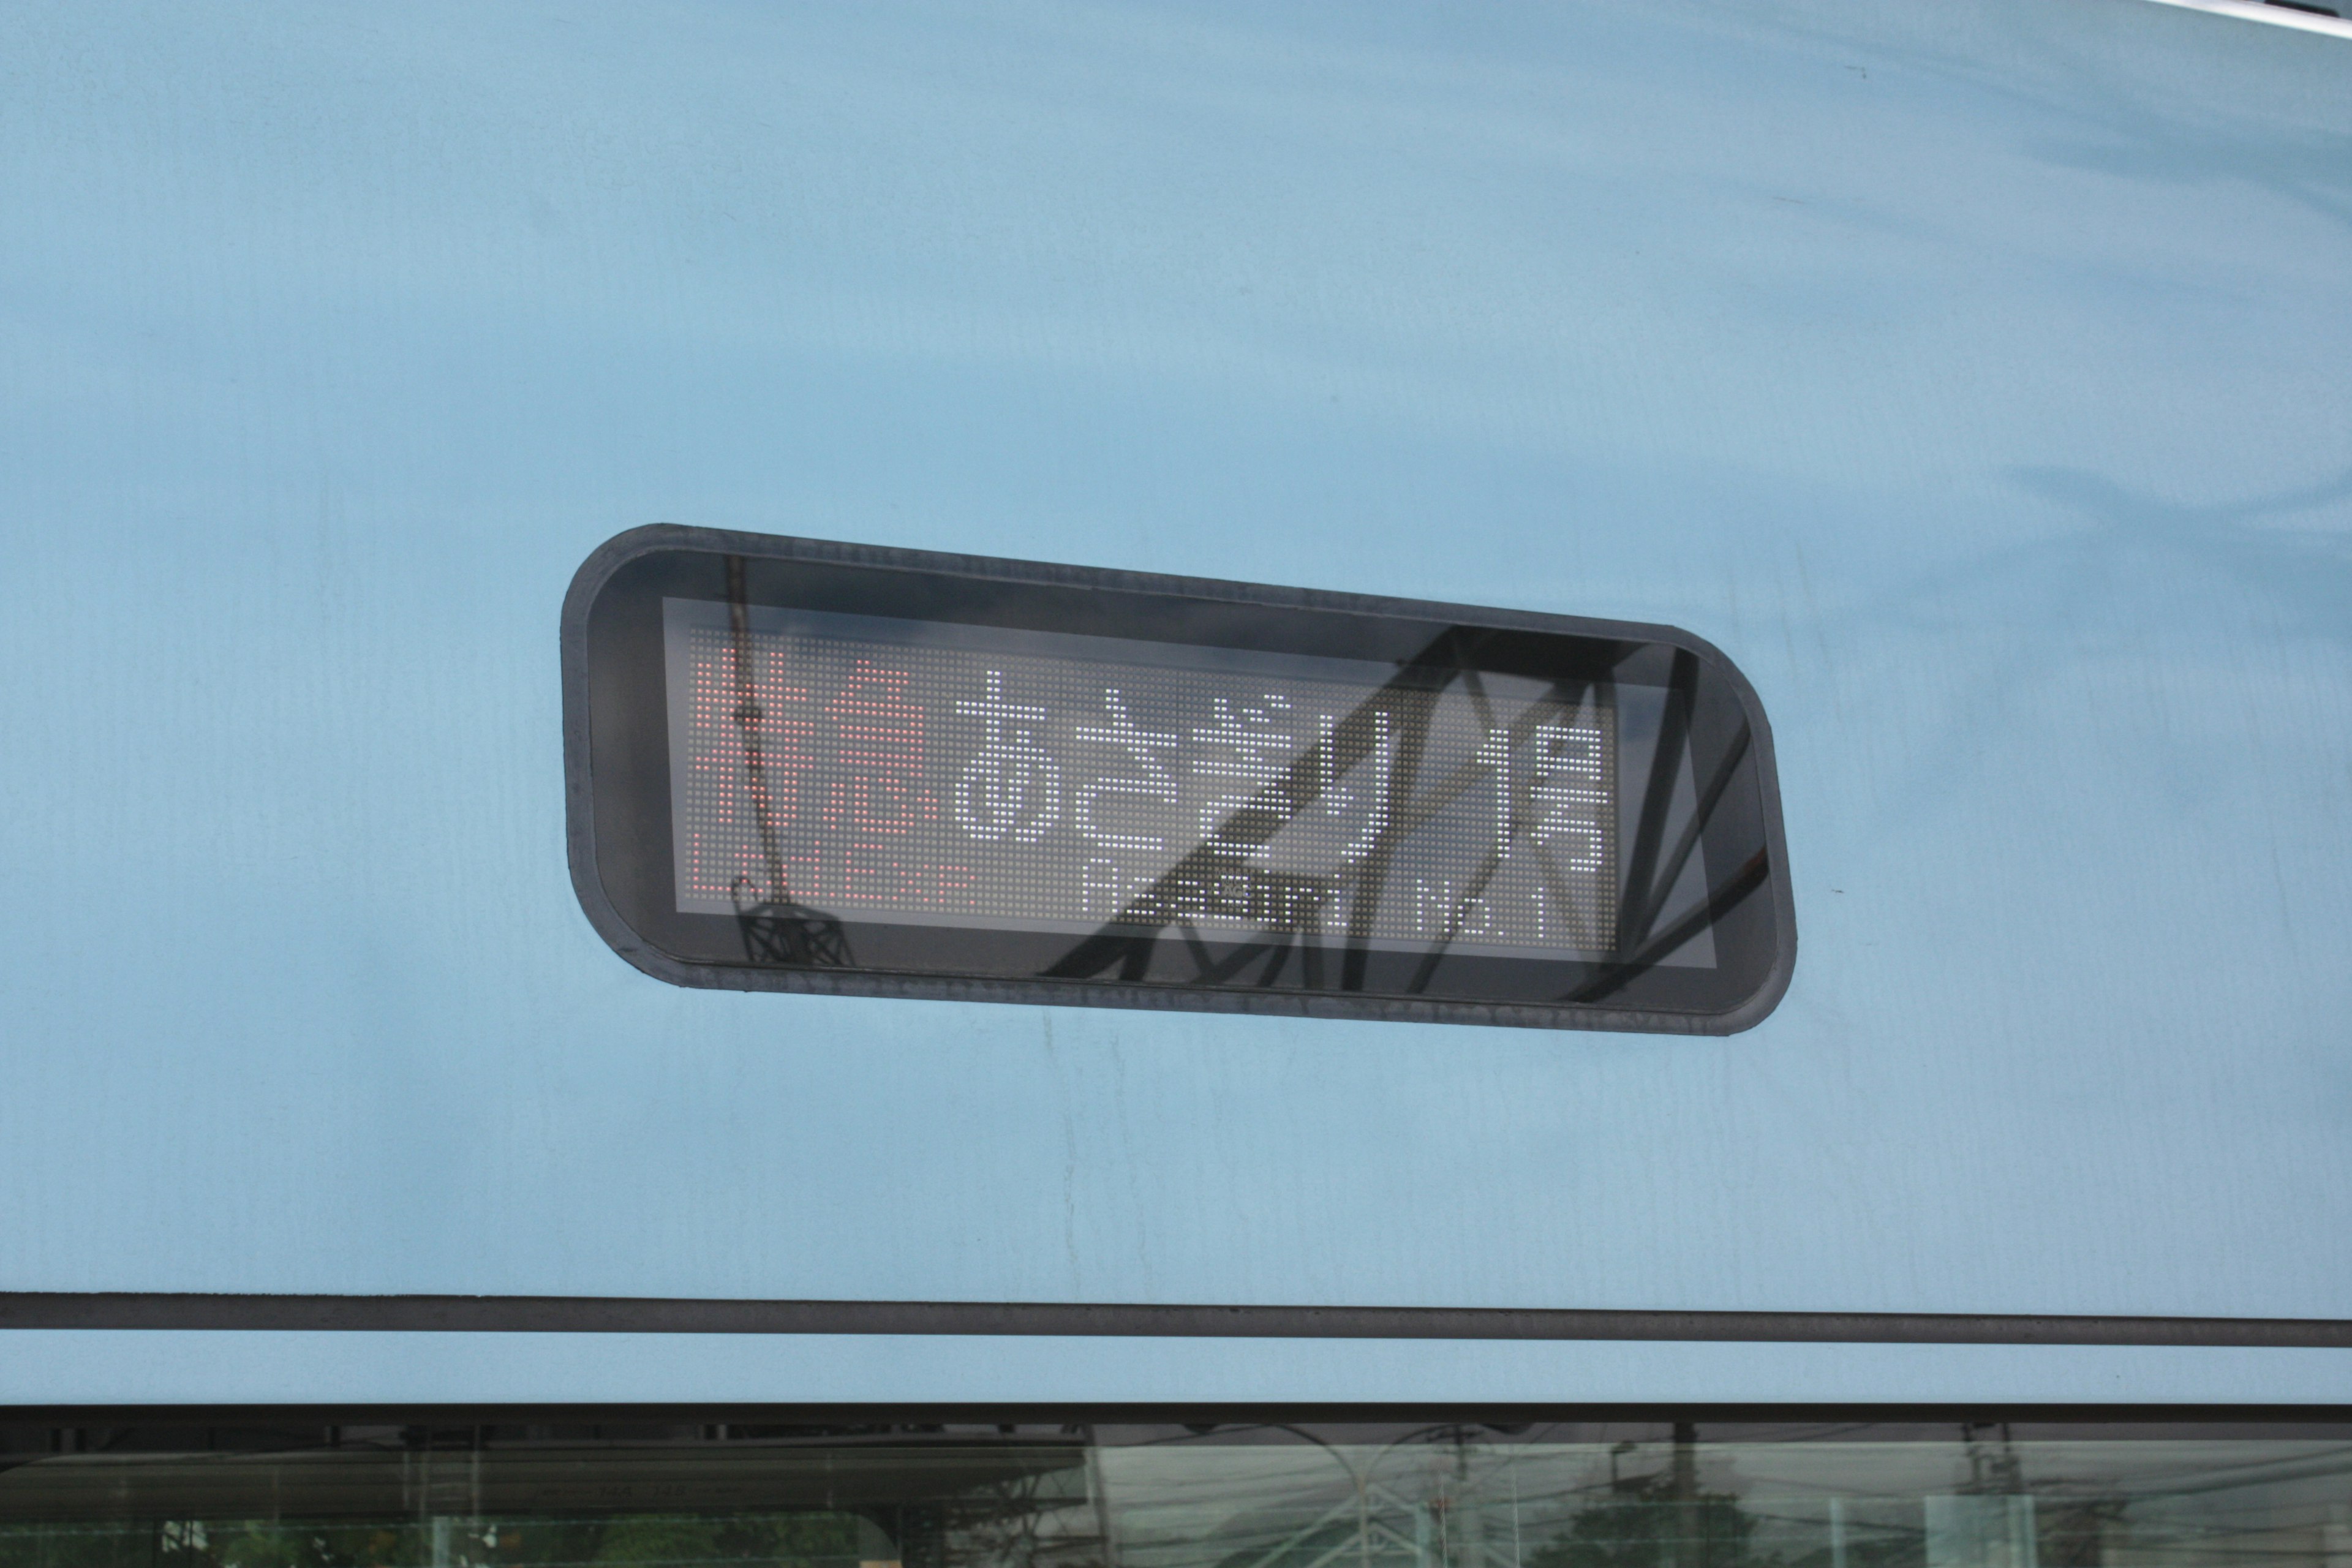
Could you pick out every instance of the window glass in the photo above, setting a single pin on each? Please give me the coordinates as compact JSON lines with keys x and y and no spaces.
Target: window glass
{"x":1023,"y":1493}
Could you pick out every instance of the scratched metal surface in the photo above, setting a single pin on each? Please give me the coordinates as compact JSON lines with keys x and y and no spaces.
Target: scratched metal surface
{"x":1974,"y":374}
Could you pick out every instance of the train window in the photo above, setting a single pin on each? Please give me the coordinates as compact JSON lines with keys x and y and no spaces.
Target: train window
{"x":806,"y":766}
{"x":1516,"y":1488}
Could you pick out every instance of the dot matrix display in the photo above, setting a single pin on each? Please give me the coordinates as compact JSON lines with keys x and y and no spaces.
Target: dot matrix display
{"x":933,"y":774}
{"x":838,"y":769}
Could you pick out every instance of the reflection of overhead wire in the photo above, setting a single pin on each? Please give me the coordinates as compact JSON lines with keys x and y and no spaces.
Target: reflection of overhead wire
{"x":1672,"y":818}
{"x":1396,"y":716}
{"x":1720,"y":902}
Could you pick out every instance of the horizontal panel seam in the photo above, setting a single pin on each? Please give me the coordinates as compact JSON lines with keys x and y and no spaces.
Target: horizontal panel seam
{"x":613,"y":1314}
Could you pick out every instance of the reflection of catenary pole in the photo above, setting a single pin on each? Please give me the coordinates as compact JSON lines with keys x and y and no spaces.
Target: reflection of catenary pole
{"x":748,"y":714}
{"x":775,"y":930}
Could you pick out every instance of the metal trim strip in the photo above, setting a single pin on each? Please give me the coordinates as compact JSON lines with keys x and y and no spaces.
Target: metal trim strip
{"x":630,"y":1314}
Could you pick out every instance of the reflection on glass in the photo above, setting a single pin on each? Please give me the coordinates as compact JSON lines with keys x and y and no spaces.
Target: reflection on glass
{"x":938,"y":774}
{"x":907,"y":774}
{"x":1242,"y":1496}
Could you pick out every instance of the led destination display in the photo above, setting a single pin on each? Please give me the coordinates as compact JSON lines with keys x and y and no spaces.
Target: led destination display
{"x":797,"y":766}
{"x":953,"y":775}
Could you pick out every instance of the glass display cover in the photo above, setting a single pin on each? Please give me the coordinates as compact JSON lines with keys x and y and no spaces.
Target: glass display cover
{"x":806,"y":766}
{"x":740,"y":1488}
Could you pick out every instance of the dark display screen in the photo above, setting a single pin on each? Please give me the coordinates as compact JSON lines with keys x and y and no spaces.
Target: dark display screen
{"x":848,"y":770}
{"x":957,"y":776}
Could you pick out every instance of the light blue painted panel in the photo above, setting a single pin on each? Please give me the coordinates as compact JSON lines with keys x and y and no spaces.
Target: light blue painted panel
{"x":1975,"y":375}
{"x":214,"y":1367}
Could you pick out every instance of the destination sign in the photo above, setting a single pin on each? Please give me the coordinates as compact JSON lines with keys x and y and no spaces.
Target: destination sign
{"x":803,"y":766}
{"x":944,"y":774}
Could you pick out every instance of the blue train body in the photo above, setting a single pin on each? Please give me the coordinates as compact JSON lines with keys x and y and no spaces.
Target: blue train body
{"x":1973,"y":375}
